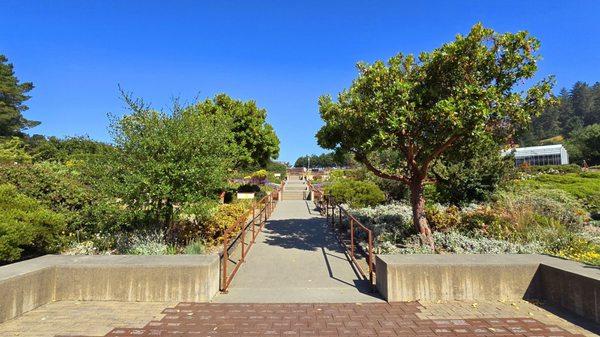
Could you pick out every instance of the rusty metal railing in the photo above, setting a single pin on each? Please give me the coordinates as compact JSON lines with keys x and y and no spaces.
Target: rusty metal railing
{"x":235,"y":242}
{"x":351,"y":233}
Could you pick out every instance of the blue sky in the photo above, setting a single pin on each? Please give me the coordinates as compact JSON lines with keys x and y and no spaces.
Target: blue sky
{"x":283,"y":54}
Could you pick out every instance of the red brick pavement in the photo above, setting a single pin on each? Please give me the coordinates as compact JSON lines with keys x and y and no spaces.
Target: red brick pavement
{"x":368,"y":319}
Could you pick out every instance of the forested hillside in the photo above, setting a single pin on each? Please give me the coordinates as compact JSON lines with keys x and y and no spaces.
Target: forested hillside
{"x":574,"y":121}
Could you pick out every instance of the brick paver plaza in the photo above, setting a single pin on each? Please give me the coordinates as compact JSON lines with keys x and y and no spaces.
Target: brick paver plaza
{"x":292,"y":267}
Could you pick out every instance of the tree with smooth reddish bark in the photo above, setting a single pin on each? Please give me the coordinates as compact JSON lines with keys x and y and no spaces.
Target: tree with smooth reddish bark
{"x":398,"y":118}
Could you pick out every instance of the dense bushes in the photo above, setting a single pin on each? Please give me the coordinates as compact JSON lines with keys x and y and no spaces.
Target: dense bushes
{"x":585,"y":145}
{"x":26,"y":224}
{"x":515,"y":221}
{"x":355,"y":193}
{"x":585,"y":186}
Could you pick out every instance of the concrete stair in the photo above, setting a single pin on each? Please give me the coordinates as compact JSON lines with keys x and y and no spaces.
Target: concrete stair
{"x":295,"y":190}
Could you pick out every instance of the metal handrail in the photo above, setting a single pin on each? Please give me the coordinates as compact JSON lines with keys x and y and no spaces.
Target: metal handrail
{"x":260,"y":213}
{"x":327,"y":205}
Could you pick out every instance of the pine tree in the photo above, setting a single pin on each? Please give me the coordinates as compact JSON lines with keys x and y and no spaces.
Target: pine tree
{"x":12,"y":96}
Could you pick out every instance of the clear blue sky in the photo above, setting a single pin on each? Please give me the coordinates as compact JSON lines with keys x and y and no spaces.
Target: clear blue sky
{"x":283,"y":54}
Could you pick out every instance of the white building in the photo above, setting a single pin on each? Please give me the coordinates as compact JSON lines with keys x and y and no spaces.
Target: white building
{"x":540,"y":155}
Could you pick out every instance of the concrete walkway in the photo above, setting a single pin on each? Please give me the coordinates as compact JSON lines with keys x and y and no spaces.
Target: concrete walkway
{"x":297,"y":259}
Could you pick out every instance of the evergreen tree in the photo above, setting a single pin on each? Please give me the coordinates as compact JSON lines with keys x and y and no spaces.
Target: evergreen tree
{"x":12,"y":95}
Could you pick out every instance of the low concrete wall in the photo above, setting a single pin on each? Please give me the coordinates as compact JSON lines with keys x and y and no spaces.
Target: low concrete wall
{"x":573,"y":286}
{"x":568,"y":284}
{"x":27,"y":285}
{"x":455,"y":277}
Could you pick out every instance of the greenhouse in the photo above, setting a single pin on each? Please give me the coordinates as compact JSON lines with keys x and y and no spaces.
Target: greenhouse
{"x":540,"y":155}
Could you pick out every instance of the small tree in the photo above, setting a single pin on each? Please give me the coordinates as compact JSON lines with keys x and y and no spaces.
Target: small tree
{"x":421,"y":107}
{"x":167,"y":161}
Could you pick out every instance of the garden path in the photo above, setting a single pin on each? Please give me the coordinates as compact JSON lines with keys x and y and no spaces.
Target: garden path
{"x":297,"y":259}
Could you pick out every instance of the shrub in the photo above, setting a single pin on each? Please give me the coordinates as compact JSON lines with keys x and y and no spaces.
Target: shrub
{"x":390,"y":223}
{"x":259,"y":175}
{"x":142,"y":243}
{"x":195,"y":247}
{"x":26,"y":226}
{"x":224,"y":217}
{"x":458,"y":243}
{"x":355,"y":193}
{"x":552,"y":169}
{"x":584,"y":186}
{"x":471,"y":173}
{"x":519,"y":216}
{"x":443,"y":218}
{"x":582,"y":250}
{"x":585,"y":145}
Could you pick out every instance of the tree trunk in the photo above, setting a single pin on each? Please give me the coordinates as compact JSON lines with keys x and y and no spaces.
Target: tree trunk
{"x":418,"y":207}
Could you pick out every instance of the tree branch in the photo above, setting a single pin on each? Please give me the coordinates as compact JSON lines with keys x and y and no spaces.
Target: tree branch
{"x":436,"y":153}
{"x":363,"y":159}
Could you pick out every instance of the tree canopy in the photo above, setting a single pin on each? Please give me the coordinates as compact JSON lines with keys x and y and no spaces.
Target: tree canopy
{"x":420,"y":107}
{"x":256,"y":140}
{"x":578,"y":107}
{"x":330,"y":159}
{"x":13,"y":94}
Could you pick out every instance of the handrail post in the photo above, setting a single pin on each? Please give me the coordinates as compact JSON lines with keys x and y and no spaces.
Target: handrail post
{"x":352,"y":237}
{"x":371,"y":257}
{"x":253,"y":221}
{"x":243,"y":240}
{"x":225,"y":260}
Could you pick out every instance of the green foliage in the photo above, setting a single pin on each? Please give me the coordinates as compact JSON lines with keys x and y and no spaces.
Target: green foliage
{"x":551,"y":169}
{"x":259,"y":175}
{"x":12,"y":151}
{"x":71,"y":149}
{"x":471,"y":173}
{"x":458,"y":243}
{"x":12,"y":96}
{"x":418,"y":108}
{"x":577,"y":108}
{"x":585,"y":186}
{"x":86,"y":210}
{"x":355,"y":193}
{"x":225,"y":216}
{"x":167,"y":161}
{"x":389,"y":223}
{"x":26,"y":226}
{"x":254,"y":138}
{"x":195,"y":247}
{"x":331,"y":159}
{"x":584,"y":145}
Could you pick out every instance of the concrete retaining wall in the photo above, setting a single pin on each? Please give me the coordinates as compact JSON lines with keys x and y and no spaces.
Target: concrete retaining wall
{"x":455,"y":277}
{"x":27,"y":285}
{"x":571,"y":285}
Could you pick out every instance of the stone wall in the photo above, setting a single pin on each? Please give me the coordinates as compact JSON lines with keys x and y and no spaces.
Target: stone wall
{"x":27,"y":285}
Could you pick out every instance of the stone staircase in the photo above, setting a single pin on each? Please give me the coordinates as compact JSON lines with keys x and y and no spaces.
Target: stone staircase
{"x":294,"y":189}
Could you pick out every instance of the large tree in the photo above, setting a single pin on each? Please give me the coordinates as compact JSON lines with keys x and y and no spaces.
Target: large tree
{"x":256,"y":140}
{"x":444,"y":99}
{"x":12,"y":96}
